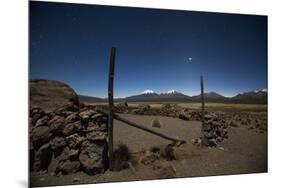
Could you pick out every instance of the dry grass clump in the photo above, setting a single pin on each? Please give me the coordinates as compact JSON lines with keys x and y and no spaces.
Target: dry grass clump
{"x":121,"y":157}
{"x":144,"y":107}
{"x":155,"y":149}
{"x":168,"y":153}
{"x":233,"y":124}
{"x":156,"y":123}
{"x":149,"y":158}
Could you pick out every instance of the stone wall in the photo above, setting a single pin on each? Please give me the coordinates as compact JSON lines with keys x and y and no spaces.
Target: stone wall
{"x":214,"y":129}
{"x":67,"y":140}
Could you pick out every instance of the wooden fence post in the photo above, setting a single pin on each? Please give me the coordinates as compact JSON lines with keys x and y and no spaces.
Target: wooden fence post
{"x":111,"y":107}
{"x":203,"y":105}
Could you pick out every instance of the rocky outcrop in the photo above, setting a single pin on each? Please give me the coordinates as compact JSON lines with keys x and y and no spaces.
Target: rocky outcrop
{"x":49,"y":95}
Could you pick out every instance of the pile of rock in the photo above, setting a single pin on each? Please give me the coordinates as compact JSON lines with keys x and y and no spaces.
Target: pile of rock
{"x":50,"y":95}
{"x":67,"y":140}
{"x":143,"y":109}
{"x":214,"y":129}
{"x":121,"y":107}
{"x":187,"y":114}
{"x":169,"y":110}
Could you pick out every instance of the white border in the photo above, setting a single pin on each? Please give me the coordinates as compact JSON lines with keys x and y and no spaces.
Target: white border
{"x":13,"y":82}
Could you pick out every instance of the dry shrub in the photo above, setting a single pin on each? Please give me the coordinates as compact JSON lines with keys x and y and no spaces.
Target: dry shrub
{"x":121,"y":157}
{"x":156,"y":123}
{"x":233,"y":124}
{"x":144,"y":107}
{"x":154,"y":149}
{"x":148,"y":158}
{"x":168,"y":153}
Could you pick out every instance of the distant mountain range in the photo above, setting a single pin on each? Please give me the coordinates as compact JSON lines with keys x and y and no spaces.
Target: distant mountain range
{"x":253,"y":97}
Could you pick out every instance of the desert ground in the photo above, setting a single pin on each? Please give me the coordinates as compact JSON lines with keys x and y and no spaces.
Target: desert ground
{"x":245,"y":150}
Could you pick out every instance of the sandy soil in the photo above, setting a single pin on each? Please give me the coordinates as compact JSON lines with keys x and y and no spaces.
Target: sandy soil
{"x":244,"y":152}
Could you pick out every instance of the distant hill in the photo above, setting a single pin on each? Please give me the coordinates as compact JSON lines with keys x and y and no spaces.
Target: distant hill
{"x":251,"y":97}
{"x":149,"y":95}
{"x":210,"y":97}
{"x":89,"y":99}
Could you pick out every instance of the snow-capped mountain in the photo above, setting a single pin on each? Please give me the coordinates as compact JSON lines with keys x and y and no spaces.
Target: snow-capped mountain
{"x":172,"y":91}
{"x":148,"y":91}
{"x":261,"y":90}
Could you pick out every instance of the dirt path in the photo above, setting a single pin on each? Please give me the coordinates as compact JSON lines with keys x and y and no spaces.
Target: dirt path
{"x":244,"y":152}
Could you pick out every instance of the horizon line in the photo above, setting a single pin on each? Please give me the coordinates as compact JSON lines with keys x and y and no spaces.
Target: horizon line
{"x":227,"y":96}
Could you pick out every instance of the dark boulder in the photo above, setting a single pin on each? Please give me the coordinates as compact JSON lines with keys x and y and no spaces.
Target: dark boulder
{"x":42,"y":158}
{"x":72,"y":128}
{"x":68,"y":167}
{"x":96,"y":127}
{"x":57,"y":143}
{"x":40,"y":135}
{"x":93,"y":157}
{"x":184,"y":115}
{"x":57,"y":123}
{"x":75,"y":140}
{"x":86,"y":115}
{"x":42,"y":121}
{"x":73,"y":154}
{"x":96,"y":135}
{"x":72,"y":118}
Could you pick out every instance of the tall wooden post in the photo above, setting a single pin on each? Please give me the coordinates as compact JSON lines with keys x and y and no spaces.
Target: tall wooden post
{"x":111,"y":107}
{"x":203,"y":104}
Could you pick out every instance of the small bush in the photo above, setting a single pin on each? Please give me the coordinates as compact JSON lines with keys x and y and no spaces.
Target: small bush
{"x":149,"y":158}
{"x":168,"y":153}
{"x":144,"y":107}
{"x":233,"y":124}
{"x":121,"y":157}
{"x":156,"y":123}
{"x":154,"y":149}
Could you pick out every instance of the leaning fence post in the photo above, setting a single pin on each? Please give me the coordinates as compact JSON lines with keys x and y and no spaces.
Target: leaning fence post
{"x":111,"y":106}
{"x":203,"y":105}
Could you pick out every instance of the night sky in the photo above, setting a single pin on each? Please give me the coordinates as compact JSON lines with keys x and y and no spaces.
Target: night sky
{"x":156,"y":49}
